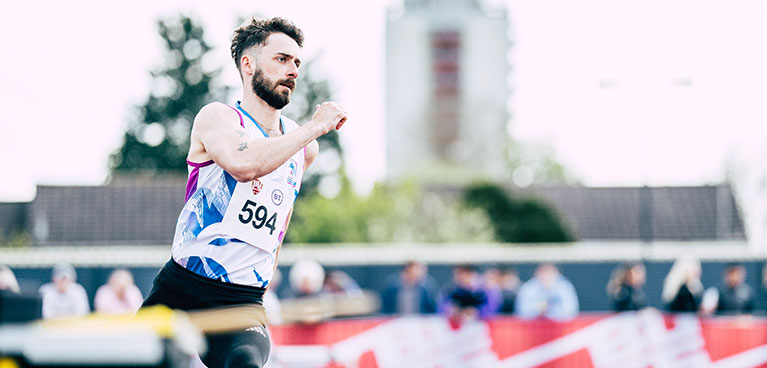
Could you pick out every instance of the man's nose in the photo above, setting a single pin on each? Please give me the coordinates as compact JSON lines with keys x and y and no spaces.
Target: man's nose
{"x":293,"y":71}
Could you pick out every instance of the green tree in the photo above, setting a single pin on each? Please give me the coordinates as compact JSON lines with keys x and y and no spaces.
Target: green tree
{"x":389,"y":213}
{"x":344,"y":218}
{"x":158,"y":140}
{"x":517,"y":220}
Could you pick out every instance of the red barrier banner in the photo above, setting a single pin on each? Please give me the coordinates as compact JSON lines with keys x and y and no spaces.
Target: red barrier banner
{"x":642,"y":339}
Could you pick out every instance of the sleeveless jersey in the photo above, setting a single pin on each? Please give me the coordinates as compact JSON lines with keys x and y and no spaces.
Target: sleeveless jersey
{"x":230,"y":231}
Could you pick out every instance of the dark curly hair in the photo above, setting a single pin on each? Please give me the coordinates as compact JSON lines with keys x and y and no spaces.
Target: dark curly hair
{"x":258,"y":30}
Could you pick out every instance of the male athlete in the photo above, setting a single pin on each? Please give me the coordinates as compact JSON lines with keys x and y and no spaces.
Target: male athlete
{"x":245,"y":167}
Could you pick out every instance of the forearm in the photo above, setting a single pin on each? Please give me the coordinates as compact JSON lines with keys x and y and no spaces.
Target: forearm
{"x":254,"y":158}
{"x":228,"y":144}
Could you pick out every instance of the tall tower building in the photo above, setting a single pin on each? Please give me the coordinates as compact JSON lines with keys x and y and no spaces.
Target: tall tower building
{"x":446,"y":90}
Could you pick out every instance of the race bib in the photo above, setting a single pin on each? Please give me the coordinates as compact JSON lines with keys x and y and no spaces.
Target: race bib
{"x":259,"y":209}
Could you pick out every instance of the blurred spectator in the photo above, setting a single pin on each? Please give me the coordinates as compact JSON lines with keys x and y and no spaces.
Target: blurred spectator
{"x":339,"y":282}
{"x":271,"y":301}
{"x":15,"y":307}
{"x":308,"y":302}
{"x":763,"y":290}
{"x":119,"y":295}
{"x":734,"y":296}
{"x":509,"y":287}
{"x":492,"y":284}
{"x":8,"y":280}
{"x":626,"y":287}
{"x":64,"y":297}
{"x":410,"y":291}
{"x":547,"y":294}
{"x":682,"y":289}
{"x":306,"y":278}
{"x":463,"y":298}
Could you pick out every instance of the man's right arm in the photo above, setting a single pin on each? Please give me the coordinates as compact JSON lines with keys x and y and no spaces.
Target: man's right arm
{"x":217,"y":135}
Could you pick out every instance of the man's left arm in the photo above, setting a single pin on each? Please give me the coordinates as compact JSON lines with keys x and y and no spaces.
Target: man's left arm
{"x":312,"y":149}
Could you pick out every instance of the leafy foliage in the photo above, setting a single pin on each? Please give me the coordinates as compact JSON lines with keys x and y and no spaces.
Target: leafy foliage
{"x":158,"y":140}
{"x":517,"y":220}
{"x":16,"y":239}
{"x":390,"y":213}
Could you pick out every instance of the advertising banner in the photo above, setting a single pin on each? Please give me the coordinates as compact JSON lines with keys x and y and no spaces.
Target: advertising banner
{"x":642,"y":339}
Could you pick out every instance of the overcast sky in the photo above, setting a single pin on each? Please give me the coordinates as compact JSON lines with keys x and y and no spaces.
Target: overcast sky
{"x":628,"y":93}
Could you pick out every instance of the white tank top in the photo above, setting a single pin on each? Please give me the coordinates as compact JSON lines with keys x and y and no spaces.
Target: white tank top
{"x":230,"y":231}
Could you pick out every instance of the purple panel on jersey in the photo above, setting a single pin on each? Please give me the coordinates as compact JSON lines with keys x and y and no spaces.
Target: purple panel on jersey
{"x":199,"y":164}
{"x":191,"y":184}
{"x":242,"y":123}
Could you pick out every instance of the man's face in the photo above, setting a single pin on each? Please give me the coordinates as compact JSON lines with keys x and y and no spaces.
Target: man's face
{"x":120,"y":281}
{"x":276,"y":70}
{"x":464,"y":278}
{"x":62,"y":283}
{"x":637,"y":276}
{"x":735,"y":276}
{"x":492,"y":277}
{"x":414,"y":272}
{"x":547,"y":275}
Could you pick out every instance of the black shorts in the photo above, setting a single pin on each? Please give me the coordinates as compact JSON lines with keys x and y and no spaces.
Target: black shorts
{"x":179,"y":288}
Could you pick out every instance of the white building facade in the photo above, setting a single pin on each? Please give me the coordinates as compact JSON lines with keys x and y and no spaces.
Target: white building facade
{"x":446,"y":90}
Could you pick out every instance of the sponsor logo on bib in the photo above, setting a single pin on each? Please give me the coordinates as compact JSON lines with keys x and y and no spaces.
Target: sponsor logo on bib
{"x":293,"y":166}
{"x":257,"y":186}
{"x":277,"y":197}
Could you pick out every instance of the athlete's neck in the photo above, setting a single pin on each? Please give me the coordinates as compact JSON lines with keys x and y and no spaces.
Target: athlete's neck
{"x":267,"y":116}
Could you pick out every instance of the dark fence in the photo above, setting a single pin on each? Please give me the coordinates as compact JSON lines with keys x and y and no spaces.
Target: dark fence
{"x":589,"y":279}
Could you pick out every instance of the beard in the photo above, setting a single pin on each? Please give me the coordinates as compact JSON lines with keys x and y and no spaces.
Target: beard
{"x":267,"y":90}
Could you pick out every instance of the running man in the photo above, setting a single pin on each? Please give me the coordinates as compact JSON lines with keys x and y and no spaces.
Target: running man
{"x":246,"y":163}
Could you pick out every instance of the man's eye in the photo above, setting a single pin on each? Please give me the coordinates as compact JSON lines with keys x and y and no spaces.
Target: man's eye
{"x":282,"y":59}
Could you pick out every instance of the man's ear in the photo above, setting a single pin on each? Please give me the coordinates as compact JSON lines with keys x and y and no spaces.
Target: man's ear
{"x":247,"y":64}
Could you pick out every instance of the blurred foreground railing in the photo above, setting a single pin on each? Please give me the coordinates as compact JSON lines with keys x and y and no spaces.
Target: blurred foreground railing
{"x":642,"y":339}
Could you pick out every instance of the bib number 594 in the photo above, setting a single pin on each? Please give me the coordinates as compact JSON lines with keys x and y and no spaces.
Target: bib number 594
{"x":257,"y":216}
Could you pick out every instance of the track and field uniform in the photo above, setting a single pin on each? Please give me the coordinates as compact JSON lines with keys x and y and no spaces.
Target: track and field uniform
{"x":226,"y":240}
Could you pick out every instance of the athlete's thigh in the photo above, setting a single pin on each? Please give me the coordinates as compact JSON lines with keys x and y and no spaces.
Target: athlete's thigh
{"x":248,"y":348}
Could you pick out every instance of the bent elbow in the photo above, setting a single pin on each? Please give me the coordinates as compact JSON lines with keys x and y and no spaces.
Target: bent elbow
{"x":241,"y":178}
{"x":241,"y":173}
{"x":245,"y":172}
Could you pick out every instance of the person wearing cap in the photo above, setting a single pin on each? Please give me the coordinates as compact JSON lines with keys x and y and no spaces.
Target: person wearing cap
{"x":64,"y":297}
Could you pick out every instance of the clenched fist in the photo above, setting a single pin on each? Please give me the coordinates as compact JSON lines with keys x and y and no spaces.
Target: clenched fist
{"x":329,"y":115}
